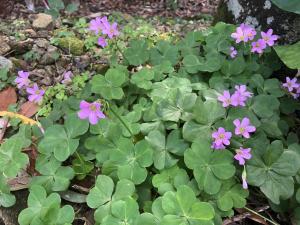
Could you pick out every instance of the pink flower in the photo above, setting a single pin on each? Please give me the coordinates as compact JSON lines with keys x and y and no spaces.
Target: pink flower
{"x":238,"y":100}
{"x":102,"y":42}
{"x":225,"y":98}
{"x":92,"y":111}
{"x":242,"y":154}
{"x":22,"y":80}
{"x":243,"y":128}
{"x":67,"y":77}
{"x":96,"y":25}
{"x":242,"y":90}
{"x":248,"y":31}
{"x":233,"y":52}
{"x":239,"y":35}
{"x":258,"y":46}
{"x":111,"y":30}
{"x":221,"y":137}
{"x":35,"y":94}
{"x":268,"y":37}
{"x":291,"y":84}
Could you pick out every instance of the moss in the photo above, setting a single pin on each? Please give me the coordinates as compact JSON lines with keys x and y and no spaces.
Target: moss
{"x":71,"y":44}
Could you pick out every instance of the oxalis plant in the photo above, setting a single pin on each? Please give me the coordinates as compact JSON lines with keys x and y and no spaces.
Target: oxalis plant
{"x":176,"y":133}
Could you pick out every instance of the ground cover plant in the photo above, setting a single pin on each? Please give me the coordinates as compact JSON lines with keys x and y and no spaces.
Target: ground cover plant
{"x":179,"y":131}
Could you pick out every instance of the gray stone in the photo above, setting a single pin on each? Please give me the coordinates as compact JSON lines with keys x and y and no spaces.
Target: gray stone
{"x":261,"y":14}
{"x":5,"y":63}
{"x":42,"y":21}
{"x":4,"y":47}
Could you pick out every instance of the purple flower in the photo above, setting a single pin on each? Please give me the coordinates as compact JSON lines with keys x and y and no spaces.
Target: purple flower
{"x":244,"y":179}
{"x":248,"y":31}
{"x":291,"y":84}
{"x":242,"y":154}
{"x":102,"y":42}
{"x":269,"y":38}
{"x":22,"y":79}
{"x":258,"y":46}
{"x":92,"y":111}
{"x":238,"y":100}
{"x":239,"y":35}
{"x":67,"y":77}
{"x":233,"y":52}
{"x":96,"y":25}
{"x":221,"y":137}
{"x":35,"y":94}
{"x":225,"y":98}
{"x":242,"y":90}
{"x":243,"y":128}
{"x":111,"y":30}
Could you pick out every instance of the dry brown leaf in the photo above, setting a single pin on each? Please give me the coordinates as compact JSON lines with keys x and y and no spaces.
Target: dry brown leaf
{"x":7,"y":97}
{"x":28,"y":109}
{"x":24,"y":119}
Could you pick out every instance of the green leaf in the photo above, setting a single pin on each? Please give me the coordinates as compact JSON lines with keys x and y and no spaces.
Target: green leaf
{"x":137,"y":53}
{"x":210,"y":167}
{"x":289,"y":54}
{"x":208,"y":112}
{"x":75,"y":126}
{"x":143,"y":78}
{"x":163,"y":148}
{"x":109,"y":86}
{"x":192,"y":63}
{"x":231,"y":196}
{"x":233,"y":67}
{"x":273,"y":173}
{"x":6,"y":198}
{"x":53,"y":176}
{"x":164,"y":52}
{"x":56,"y":140}
{"x":12,"y":159}
{"x":56,"y":4}
{"x":101,"y":193}
{"x":265,"y":105}
{"x":42,"y":209}
{"x":72,"y":7}
{"x":191,"y":131}
{"x":185,"y":206}
{"x":290,"y":5}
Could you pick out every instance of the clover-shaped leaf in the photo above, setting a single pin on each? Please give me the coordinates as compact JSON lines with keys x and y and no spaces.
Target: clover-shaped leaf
{"x":12,"y":159}
{"x":231,"y":195}
{"x":192,"y":63}
{"x":164,"y":149}
{"x":265,"y":105}
{"x":169,"y":179}
{"x":137,"y":53}
{"x":191,"y":130}
{"x":143,"y":78}
{"x":210,"y":167}
{"x":53,"y":176}
{"x":45,"y":210}
{"x":184,"y":208}
{"x":164,"y":52}
{"x":6,"y":198}
{"x":75,"y":126}
{"x":173,"y":109}
{"x":208,"y":112}
{"x":131,"y":160}
{"x":56,"y":140}
{"x":109,"y":86}
{"x":104,"y":193}
{"x":274,"y":170}
{"x":122,"y":212}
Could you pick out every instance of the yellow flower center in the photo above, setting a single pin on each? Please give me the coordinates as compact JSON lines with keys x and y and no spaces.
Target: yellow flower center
{"x":93,"y":108}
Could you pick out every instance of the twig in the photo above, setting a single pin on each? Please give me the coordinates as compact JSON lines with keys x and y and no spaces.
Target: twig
{"x":246,"y":215}
{"x":265,"y":218}
{"x":80,"y":188}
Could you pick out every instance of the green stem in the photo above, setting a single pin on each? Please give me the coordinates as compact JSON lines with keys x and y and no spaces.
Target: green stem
{"x":122,"y":121}
{"x":256,"y":213}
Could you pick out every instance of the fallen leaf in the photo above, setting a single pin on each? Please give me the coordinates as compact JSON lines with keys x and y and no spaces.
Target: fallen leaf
{"x":253,"y":217}
{"x":7,"y":97}
{"x":28,"y":109}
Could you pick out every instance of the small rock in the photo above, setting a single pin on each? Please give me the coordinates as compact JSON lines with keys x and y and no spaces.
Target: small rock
{"x":42,"y":43}
{"x":42,"y":21}
{"x":5,"y":63}
{"x":82,"y":62}
{"x":71,"y":45}
{"x":4,"y":47}
{"x":30,"y":33}
{"x":19,"y":63}
{"x":49,"y":57}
